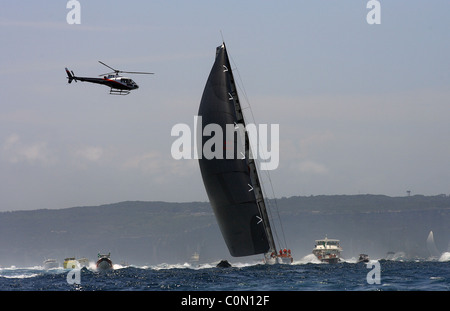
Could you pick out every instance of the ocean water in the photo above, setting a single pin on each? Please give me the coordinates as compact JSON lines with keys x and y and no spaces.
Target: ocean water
{"x":306,"y":274}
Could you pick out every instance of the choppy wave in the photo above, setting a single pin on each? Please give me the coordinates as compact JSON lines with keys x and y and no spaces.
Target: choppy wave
{"x":307,"y":273}
{"x":445,"y":257}
{"x":32,"y":271}
{"x":14,"y":272}
{"x":311,"y":258}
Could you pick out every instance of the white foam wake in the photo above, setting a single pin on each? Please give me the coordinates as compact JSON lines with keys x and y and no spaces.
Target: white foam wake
{"x":311,"y":258}
{"x":445,"y":257}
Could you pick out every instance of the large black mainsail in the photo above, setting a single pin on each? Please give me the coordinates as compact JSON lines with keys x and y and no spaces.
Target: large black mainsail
{"x":232,"y":184}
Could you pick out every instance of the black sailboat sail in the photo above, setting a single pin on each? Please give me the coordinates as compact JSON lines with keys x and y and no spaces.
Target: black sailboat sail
{"x":232,"y":184}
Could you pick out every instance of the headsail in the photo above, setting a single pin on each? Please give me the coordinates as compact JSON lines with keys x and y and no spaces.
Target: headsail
{"x":232,"y":183}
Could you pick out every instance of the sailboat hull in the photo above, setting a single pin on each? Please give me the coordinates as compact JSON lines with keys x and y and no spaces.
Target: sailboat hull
{"x":278,"y":260}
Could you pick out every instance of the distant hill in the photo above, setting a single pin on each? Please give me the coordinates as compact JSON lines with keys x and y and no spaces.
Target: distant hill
{"x":158,"y":232}
{"x":373,"y":224}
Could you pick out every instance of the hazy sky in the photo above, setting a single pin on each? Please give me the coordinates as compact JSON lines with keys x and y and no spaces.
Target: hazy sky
{"x":361,"y":108}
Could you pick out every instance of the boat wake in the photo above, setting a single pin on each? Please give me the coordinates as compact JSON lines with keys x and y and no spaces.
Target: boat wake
{"x":445,"y":257}
{"x":14,"y":272}
{"x":311,"y":258}
{"x":307,"y":273}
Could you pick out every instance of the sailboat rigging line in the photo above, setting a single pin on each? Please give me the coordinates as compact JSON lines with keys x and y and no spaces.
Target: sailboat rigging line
{"x":243,"y":91}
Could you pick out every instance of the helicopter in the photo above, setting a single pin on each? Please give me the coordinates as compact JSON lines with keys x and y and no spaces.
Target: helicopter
{"x":119,"y":85}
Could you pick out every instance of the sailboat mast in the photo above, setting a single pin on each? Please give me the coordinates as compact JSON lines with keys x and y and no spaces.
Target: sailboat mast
{"x":251,"y":162}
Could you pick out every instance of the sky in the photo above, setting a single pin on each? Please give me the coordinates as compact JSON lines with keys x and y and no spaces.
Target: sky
{"x":362,"y":108}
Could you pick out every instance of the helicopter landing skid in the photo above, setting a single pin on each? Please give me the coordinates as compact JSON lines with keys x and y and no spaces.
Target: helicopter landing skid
{"x":118,"y":92}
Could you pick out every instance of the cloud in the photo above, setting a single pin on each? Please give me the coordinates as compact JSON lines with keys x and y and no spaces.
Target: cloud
{"x":149,"y":162}
{"x":162,"y":168}
{"x":11,"y":141}
{"x":16,"y":151}
{"x":90,"y":153}
{"x":312,"y":167}
{"x":311,"y":142}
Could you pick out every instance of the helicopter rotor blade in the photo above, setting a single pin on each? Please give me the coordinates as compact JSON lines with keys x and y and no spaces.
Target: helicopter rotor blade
{"x":119,"y":71}
{"x":108,"y":73}
{"x":108,"y":66}
{"x":138,"y":72}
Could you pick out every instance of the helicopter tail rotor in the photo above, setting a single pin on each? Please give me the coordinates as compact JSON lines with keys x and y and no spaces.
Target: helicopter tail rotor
{"x":70,"y":76}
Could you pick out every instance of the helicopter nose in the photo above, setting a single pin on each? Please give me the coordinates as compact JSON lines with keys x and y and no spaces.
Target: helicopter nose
{"x":136,"y":86}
